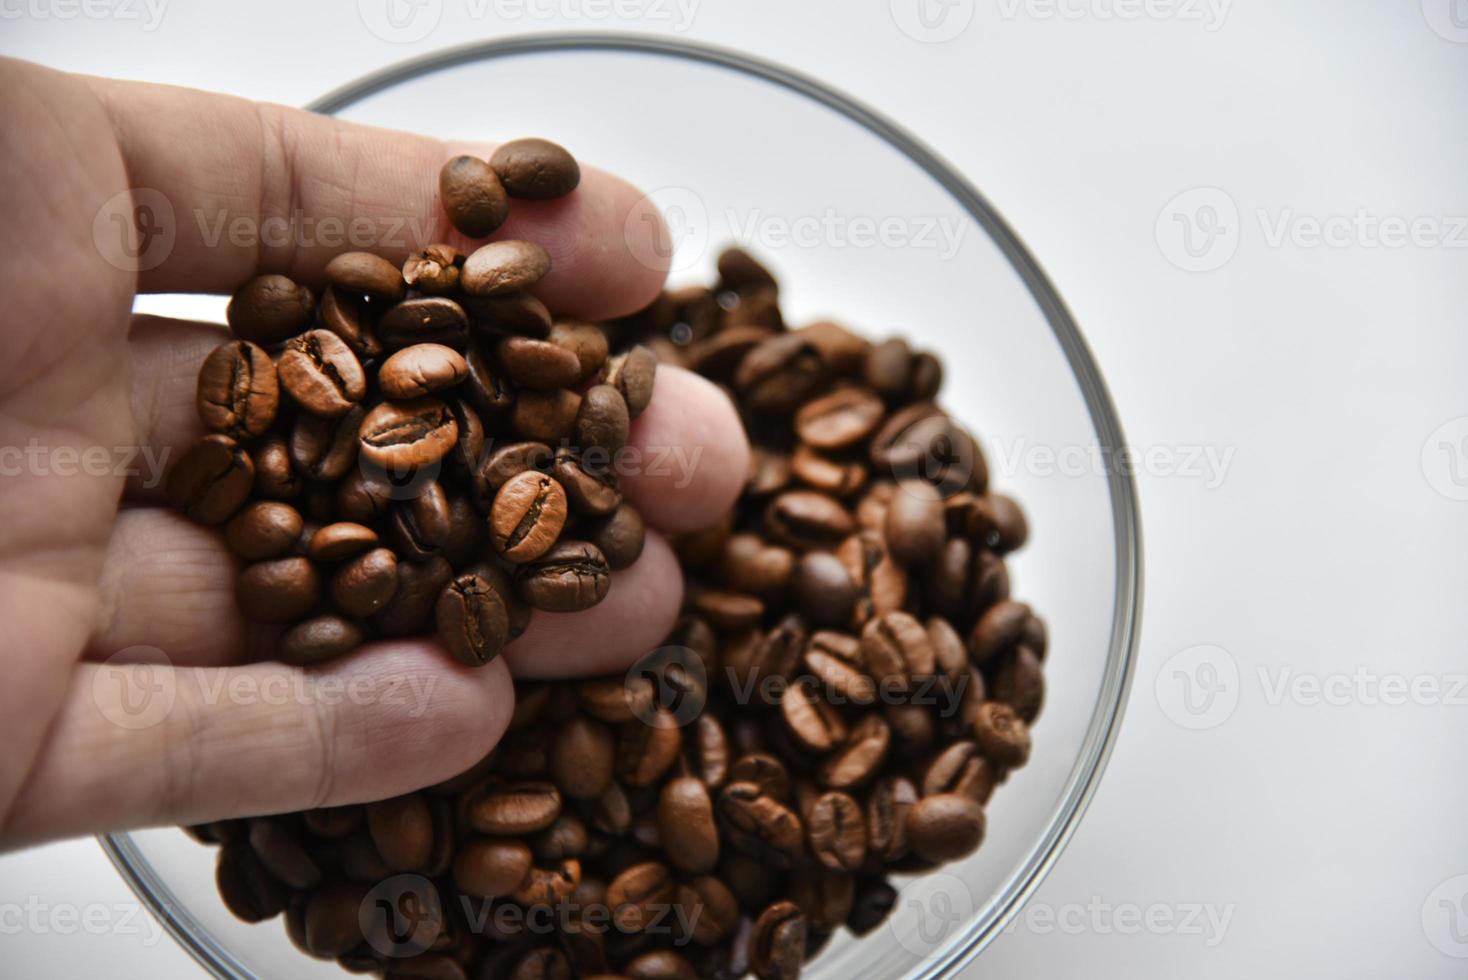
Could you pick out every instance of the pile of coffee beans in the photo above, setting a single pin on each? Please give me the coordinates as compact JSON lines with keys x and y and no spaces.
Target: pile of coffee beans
{"x":847,"y":686}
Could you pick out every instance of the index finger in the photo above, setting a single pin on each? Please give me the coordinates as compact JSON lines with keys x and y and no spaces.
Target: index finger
{"x":260,"y":188}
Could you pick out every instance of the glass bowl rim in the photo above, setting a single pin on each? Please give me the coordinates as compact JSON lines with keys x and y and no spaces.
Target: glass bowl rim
{"x":1110,"y":705}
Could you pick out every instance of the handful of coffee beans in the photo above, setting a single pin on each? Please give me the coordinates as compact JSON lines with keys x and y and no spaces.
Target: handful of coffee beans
{"x":848,"y":684}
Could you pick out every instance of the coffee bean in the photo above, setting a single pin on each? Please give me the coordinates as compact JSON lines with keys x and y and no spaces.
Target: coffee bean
{"x":320,"y":638}
{"x":402,"y":829}
{"x":514,"y":808}
{"x":814,"y":723}
{"x":777,"y":945}
{"x":535,"y":168}
{"x":1002,"y":736}
{"x":806,"y":520}
{"x":472,"y":620}
{"x":661,"y":964}
{"x":686,"y":826}
{"x":836,"y":829}
{"x":641,"y":894}
{"x":518,"y":313}
{"x":633,"y":374}
{"x":839,"y":420}
{"x":1000,"y":628}
{"x":839,"y":478}
{"x":874,"y":902}
{"x":590,"y":489}
{"x":238,"y":393}
{"x":250,"y":891}
{"x":915,"y":527}
{"x":503,"y":463}
{"x":582,"y":758}
{"x":527,"y":516}
{"x":424,"y":320}
{"x":897,"y":650}
{"x":340,"y":540}
{"x":1018,"y":680}
{"x":840,"y":350}
{"x":729,"y":610}
{"x":349,"y":317}
{"x":765,"y":771}
{"x":759,"y":826}
{"x":363,"y":272}
{"x":491,"y":867}
{"x":779,"y":374}
{"x":211,"y":481}
{"x":274,"y":478}
{"x":545,"y":416}
{"x":503,"y":267}
{"x":587,"y":341}
{"x":538,"y":364}
{"x":620,"y":536}
{"x":264,"y":529}
{"x":647,"y":748}
{"x":824,"y":589}
{"x":322,"y":374}
{"x":857,"y":761}
{"x":949,"y":654}
{"x":403,"y":436}
{"x":750,"y":565}
{"x":945,"y":827}
{"x":881,"y":583}
{"x":840,"y":677}
{"x":278,"y":591}
{"x":324,"y":449}
{"x":602,"y":421}
{"x":709,"y":908}
{"x":1009,"y":528}
{"x":268,"y":309}
{"x":718,"y":356}
{"x":961,"y":769}
{"x":433,"y":270}
{"x":472,"y":196}
{"x":282,"y":853}
{"x":886,"y":817}
{"x":365,"y":584}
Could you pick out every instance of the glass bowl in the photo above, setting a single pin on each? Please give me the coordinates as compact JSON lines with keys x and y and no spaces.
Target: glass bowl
{"x":864,"y":225}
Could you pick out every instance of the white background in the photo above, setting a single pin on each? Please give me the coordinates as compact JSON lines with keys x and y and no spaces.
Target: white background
{"x":1331,"y":551}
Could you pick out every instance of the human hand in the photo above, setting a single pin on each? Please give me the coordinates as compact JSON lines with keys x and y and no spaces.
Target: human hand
{"x":95,"y":569}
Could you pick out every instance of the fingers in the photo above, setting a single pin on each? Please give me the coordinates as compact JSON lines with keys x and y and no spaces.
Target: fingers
{"x":686,"y":461}
{"x":169,"y":584}
{"x":265,"y":188}
{"x":150,"y":744}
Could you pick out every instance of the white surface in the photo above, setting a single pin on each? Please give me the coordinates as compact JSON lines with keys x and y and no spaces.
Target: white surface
{"x":1331,"y":545}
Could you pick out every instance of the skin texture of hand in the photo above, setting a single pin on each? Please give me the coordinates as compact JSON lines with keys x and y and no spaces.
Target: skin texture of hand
{"x":95,"y":569}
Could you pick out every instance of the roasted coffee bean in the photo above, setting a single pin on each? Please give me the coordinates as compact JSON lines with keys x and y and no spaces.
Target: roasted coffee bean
{"x":538,"y":364}
{"x":839,"y":420}
{"x":647,"y":748}
{"x":278,"y":591}
{"x":1002,"y":736}
{"x":765,"y":771}
{"x":661,"y":964}
{"x":583,"y":758}
{"x":897,"y":651}
{"x":759,"y":826}
{"x":514,"y":808}
{"x":505,"y":462}
{"x":264,"y":529}
{"x":750,"y":565}
{"x":491,"y":867}
{"x":824,"y":589}
{"x":640,"y":895}
{"x":840,"y":678}
{"x":517,"y":313}
{"x":545,"y":416}
{"x":999,"y":629}
{"x":363,"y":272}
{"x":859,"y":759}
{"x":333,"y":821}
{"x":250,"y":891}
{"x":708,"y":907}
{"x":718,"y":356}
{"x":777,"y":945}
{"x":472,"y":196}
{"x":570,"y":577}
{"x":620,"y":536}
{"x":825,"y":898}
{"x":408,"y":435}
{"x":888,"y":368}
{"x":211,"y":481}
{"x":320,"y":638}
{"x":874,"y":902}
{"x":814,"y":723}
{"x":945,"y":827}
{"x":839,"y":478}
{"x":1017,"y":679}
{"x":602,"y":421}
{"x":729,"y":610}
{"x":950,"y":657}
{"x":549,"y":887}
{"x":473,"y":622}
{"x":886,"y":817}
{"x":238,"y":393}
{"x":347,"y":315}
{"x":836,"y":831}
{"x":590,"y":485}
{"x":365,"y":584}
{"x":633,"y":375}
{"x":960,"y":769}
{"x":424,"y":320}
{"x":402,"y":829}
{"x":503,"y":267}
{"x":780,"y":373}
{"x":268,"y":309}
{"x":807,"y":520}
{"x":567,"y":837}
{"x":535,"y":168}
{"x":687,"y":830}
{"x":527,"y":516}
{"x":587,"y":341}
{"x":738,"y":269}
{"x":915,"y":527}
{"x":324,"y":449}
{"x":340,"y":540}
{"x":274,"y":478}
{"x":433,"y":270}
{"x":283,"y":853}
